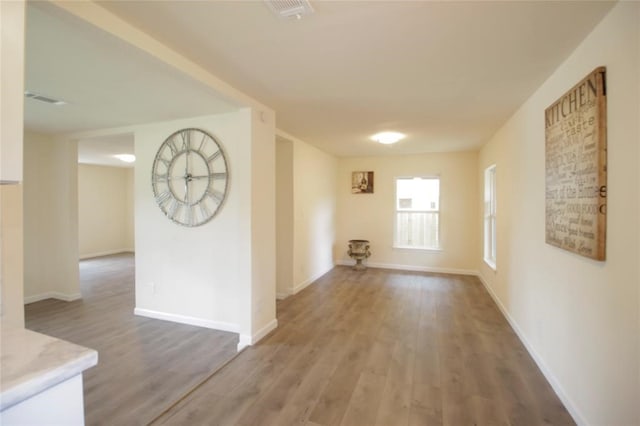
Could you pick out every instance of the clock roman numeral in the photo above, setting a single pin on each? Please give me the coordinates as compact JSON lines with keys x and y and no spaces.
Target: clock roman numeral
{"x":213,"y":156}
{"x":186,"y":140}
{"x":161,"y":177}
{"x":171,"y":143}
{"x":204,"y":139}
{"x":174,"y":209}
{"x":163,"y":197}
{"x":165,"y":162}
{"x":215,"y":195}
{"x":218,"y":176}
{"x":189,"y":214}
{"x":204,"y":211}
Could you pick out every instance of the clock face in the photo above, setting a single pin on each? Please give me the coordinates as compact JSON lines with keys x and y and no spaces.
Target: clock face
{"x":190,"y":177}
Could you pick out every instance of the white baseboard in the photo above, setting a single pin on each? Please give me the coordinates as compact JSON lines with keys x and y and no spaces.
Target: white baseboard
{"x":298,"y":288}
{"x":52,"y":295}
{"x":551,"y":378}
{"x":411,"y":268}
{"x":246,"y":340}
{"x":282,"y":295}
{"x":184,"y":319}
{"x":306,"y":283}
{"x":268,"y":328}
{"x":105,"y":253}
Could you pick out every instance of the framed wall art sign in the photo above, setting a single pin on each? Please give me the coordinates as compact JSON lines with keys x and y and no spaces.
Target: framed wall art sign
{"x":362,"y":182}
{"x":576,"y":168}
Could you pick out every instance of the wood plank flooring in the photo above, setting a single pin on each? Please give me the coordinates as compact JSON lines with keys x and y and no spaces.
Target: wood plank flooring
{"x":384,"y":348}
{"x":145,"y":365}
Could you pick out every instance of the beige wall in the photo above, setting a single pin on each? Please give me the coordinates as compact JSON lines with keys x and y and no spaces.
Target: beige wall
{"x":50,"y":218}
{"x":306,"y":214}
{"x":105,"y":210}
{"x":371,"y":216}
{"x":284,"y":217}
{"x":263,"y":232}
{"x":314,"y":213}
{"x":578,"y":317}
{"x":129,"y":232}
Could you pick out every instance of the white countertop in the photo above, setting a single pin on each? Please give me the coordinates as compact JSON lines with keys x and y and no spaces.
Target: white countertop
{"x":31,"y":362}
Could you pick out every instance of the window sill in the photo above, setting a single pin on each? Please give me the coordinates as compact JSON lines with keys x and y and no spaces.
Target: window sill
{"x":418,"y":248}
{"x":491,"y":264}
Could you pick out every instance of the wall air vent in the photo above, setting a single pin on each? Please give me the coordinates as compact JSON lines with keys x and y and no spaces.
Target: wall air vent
{"x":290,"y":8}
{"x":42,"y":98}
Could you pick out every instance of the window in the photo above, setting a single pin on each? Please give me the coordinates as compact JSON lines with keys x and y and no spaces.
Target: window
{"x":490,"y":216}
{"x":417,"y":213}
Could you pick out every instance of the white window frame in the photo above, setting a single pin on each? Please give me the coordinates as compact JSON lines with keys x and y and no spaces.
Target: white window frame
{"x":490,"y":205}
{"x":396,"y":211}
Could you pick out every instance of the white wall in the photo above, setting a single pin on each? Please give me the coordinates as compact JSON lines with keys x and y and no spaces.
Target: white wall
{"x":105,"y":210}
{"x":579,"y":317}
{"x":50,"y":219}
{"x":371,"y":216}
{"x":221,"y":274}
{"x":129,"y":232}
{"x":192,"y":272}
{"x":263,"y":232}
{"x":284,"y":217}
{"x":314,"y":198}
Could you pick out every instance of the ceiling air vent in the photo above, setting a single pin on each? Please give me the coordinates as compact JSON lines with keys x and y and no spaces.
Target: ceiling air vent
{"x":290,"y":8}
{"x":42,"y":98}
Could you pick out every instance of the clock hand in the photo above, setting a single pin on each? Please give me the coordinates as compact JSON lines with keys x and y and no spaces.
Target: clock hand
{"x":187,"y":179}
{"x":165,"y":178}
{"x":211,"y":176}
{"x":186,"y":165}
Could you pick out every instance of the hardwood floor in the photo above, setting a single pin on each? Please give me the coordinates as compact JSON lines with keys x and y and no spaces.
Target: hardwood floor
{"x":144,"y":365}
{"x":382,"y":348}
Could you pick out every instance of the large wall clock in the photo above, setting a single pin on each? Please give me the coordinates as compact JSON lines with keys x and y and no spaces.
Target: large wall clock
{"x":190,"y":177}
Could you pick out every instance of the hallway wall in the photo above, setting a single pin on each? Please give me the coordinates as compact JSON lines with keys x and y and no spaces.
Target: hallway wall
{"x":578,"y":317}
{"x":315,"y":215}
{"x":284,"y":218}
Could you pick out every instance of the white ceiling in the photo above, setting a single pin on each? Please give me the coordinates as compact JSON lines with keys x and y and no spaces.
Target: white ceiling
{"x":447,"y":74}
{"x":103,"y":149}
{"x":105,"y":81}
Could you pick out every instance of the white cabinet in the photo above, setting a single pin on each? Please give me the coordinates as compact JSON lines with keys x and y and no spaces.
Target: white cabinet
{"x":61,"y":404}
{"x":41,"y":380}
{"x":12,"y":25}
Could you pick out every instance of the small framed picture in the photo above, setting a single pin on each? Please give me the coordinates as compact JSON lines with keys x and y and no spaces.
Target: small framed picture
{"x":362,"y":182}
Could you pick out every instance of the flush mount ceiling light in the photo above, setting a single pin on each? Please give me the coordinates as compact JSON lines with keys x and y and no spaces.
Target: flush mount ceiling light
{"x":43,"y":98}
{"x":289,"y":8}
{"x":127,"y":158}
{"x":387,"y":138}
